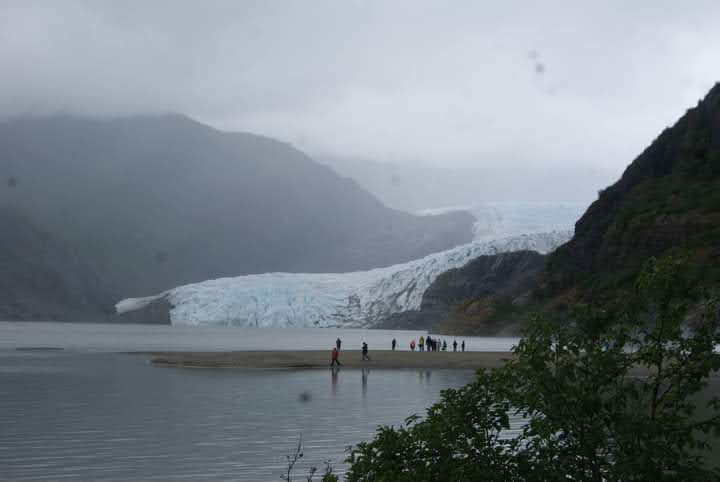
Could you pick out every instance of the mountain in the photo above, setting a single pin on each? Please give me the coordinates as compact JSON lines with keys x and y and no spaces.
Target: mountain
{"x":668,"y":197}
{"x":154,"y":202}
{"x":356,"y":299}
{"x":43,"y":279}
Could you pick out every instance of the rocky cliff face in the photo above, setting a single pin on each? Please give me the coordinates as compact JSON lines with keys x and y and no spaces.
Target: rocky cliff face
{"x":485,"y":297}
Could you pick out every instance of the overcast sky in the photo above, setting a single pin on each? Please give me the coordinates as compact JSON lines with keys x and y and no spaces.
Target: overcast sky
{"x":449,"y":82}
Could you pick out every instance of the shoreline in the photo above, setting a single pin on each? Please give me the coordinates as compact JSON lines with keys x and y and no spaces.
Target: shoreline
{"x":307,"y":359}
{"x":314,"y":359}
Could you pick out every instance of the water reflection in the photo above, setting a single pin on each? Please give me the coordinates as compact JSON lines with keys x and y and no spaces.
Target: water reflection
{"x":334,"y":379}
{"x":364,"y":372}
{"x":424,"y":378}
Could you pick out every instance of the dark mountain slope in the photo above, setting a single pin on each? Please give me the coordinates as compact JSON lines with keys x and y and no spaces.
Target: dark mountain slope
{"x":159,"y":201}
{"x":42,"y":279}
{"x":668,"y":197}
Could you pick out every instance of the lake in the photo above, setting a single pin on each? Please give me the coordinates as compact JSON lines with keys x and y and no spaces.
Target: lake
{"x":128,"y":337}
{"x":87,"y":413}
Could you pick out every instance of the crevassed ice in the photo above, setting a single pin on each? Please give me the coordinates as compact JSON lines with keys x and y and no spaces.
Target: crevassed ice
{"x":356,"y":299}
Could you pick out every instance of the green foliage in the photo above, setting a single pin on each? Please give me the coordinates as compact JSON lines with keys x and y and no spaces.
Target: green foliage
{"x":652,"y":217}
{"x":459,"y":440}
{"x":608,"y":395}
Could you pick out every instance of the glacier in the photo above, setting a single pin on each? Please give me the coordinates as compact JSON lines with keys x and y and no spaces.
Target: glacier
{"x":357,"y":299}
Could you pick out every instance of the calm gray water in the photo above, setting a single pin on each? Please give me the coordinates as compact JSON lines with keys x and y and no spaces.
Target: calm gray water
{"x":121,"y":337}
{"x":86,"y":413}
{"x":99,"y":416}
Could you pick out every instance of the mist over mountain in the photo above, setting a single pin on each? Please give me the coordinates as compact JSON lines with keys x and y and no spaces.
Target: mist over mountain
{"x":667,"y":199}
{"x":153,"y":202}
{"x":417,"y":186}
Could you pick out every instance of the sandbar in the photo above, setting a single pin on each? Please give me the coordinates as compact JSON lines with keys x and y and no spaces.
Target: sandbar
{"x":321,"y":359}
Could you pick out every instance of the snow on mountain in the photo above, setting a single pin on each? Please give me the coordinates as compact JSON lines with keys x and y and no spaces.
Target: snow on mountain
{"x":505,"y":219}
{"x":496,"y":220}
{"x":357,"y":299}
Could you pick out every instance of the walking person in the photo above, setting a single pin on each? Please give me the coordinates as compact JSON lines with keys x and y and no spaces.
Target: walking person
{"x":334,"y":358}
{"x":444,"y":345}
{"x":394,"y":342}
{"x":463,"y":345}
{"x":365,"y":352}
{"x":454,"y":345}
{"x":338,"y":342}
{"x":421,"y":344}
{"x":412,"y":345}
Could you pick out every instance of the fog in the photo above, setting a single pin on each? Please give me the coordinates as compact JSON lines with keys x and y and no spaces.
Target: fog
{"x":470,"y":84}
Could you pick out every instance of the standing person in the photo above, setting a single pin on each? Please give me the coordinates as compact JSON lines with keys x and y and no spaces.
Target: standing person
{"x":365,"y":352}
{"x":463,"y":345}
{"x":334,"y":358}
{"x":421,"y":344}
{"x":393,"y":344}
{"x":444,"y":345}
{"x":412,"y":345}
{"x":338,"y":342}
{"x":454,"y":345}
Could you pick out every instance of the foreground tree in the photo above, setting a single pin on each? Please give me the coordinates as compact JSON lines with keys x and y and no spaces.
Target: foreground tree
{"x":459,"y":439}
{"x":612,"y":394}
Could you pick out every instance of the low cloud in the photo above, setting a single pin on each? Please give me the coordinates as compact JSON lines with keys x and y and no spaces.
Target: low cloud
{"x":446,"y":83}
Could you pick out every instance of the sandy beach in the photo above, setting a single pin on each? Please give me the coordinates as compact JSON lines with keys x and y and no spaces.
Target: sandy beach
{"x":321,"y":359}
{"x":349,"y":358}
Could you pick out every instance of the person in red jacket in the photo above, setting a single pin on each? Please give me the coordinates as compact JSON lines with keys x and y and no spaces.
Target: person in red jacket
{"x":334,"y":357}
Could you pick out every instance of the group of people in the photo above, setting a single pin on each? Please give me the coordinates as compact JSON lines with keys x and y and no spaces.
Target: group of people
{"x":434,"y":344}
{"x":335,"y":354}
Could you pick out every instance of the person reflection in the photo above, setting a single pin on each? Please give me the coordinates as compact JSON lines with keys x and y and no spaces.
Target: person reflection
{"x":364,"y":372}
{"x":334,"y":378}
